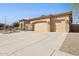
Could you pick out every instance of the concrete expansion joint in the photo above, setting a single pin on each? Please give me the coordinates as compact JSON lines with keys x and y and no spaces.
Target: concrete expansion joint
{"x":58,"y":45}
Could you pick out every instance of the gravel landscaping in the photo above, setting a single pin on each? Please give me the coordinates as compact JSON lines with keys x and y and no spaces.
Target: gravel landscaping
{"x":71,"y":44}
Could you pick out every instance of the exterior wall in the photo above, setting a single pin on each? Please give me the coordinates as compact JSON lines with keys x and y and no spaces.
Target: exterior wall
{"x":38,"y":20}
{"x":64,"y":23}
{"x":61,"y":24}
{"x":28,"y":27}
{"x":22,"y":25}
{"x":41,"y":26}
{"x":75,"y":28}
{"x":51,"y":23}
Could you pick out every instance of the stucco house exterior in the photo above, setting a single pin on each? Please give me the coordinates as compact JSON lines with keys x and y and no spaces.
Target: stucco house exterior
{"x":51,"y":23}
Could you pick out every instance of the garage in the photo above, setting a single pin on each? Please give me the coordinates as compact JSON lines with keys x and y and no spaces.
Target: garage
{"x":41,"y":27}
{"x":60,"y":26}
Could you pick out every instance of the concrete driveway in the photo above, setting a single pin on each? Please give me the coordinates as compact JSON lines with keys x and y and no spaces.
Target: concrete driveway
{"x":31,"y":43}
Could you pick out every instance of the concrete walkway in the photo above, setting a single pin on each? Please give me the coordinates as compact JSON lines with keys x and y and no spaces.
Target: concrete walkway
{"x":31,"y":43}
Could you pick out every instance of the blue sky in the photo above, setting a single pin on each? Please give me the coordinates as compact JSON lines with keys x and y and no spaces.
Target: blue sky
{"x":15,"y":12}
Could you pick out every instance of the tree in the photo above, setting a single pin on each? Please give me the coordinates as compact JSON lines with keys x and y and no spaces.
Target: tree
{"x":16,"y":24}
{"x":75,"y":11}
{"x":75,"y":8}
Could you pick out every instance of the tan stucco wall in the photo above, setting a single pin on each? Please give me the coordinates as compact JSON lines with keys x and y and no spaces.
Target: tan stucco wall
{"x":54,"y":23}
{"x":23,"y":26}
{"x":40,"y":25}
{"x":38,"y":20}
{"x":62,"y":24}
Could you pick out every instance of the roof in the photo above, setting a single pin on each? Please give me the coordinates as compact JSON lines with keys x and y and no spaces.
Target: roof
{"x":64,"y":14}
{"x":48,"y":16}
{"x":41,"y":17}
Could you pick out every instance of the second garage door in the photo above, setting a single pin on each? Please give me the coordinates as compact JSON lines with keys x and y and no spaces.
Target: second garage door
{"x":41,"y":27}
{"x":60,"y":26}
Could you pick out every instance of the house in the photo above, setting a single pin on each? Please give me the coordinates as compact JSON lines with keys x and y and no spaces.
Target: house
{"x":51,"y":23}
{"x":1,"y":26}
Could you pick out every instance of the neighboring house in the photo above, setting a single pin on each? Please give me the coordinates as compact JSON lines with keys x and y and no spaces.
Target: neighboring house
{"x":51,"y":23}
{"x":7,"y":27}
{"x":1,"y":26}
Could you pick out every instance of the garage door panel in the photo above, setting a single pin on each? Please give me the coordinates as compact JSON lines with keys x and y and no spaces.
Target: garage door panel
{"x":60,"y":27}
{"x":40,"y":27}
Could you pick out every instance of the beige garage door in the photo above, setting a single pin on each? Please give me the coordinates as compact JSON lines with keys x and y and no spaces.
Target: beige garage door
{"x":60,"y":26}
{"x":40,"y":27}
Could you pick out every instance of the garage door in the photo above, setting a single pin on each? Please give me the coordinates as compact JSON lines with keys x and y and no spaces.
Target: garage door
{"x":40,"y":27}
{"x":60,"y":26}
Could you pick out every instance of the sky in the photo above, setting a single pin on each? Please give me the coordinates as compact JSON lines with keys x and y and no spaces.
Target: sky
{"x":18,"y":11}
